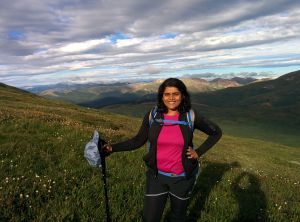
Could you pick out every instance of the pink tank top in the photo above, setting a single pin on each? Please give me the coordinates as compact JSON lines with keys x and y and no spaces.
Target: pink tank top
{"x":169,"y":148}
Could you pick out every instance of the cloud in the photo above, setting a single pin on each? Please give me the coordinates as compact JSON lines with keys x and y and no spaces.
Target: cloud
{"x":55,"y":40}
{"x":152,"y":70}
{"x":82,"y":46}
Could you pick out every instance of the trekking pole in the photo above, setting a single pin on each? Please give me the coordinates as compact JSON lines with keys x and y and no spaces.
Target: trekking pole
{"x":102,"y":155}
{"x":96,"y":159}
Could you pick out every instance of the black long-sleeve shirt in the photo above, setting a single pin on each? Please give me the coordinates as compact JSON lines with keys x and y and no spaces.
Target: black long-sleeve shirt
{"x":151,"y":133}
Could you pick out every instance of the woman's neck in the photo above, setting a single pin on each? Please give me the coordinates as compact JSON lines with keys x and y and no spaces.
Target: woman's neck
{"x":172,"y":112}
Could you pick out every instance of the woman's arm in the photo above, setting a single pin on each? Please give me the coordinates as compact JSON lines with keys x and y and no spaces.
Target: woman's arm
{"x":136,"y":142}
{"x":211,"y":129}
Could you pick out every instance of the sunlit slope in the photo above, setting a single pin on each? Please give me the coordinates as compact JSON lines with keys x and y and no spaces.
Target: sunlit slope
{"x":44,"y":176}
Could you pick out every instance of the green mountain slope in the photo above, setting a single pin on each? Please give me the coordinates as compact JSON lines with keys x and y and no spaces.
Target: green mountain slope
{"x":281,"y":92}
{"x":44,"y":176}
{"x":270,"y":107}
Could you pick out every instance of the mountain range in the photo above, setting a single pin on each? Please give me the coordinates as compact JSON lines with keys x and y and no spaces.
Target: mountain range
{"x":272,"y":105}
{"x":99,"y":95}
{"x":281,"y":92}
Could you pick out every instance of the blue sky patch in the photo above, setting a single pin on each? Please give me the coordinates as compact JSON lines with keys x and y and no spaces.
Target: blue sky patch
{"x":115,"y":37}
{"x":16,"y":35}
{"x":168,"y":36}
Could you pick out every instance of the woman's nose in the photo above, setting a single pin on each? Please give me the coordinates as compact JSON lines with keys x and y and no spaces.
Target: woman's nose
{"x":172,"y":97}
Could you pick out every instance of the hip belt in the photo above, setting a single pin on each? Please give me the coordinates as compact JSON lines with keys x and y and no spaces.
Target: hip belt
{"x":171,"y":174}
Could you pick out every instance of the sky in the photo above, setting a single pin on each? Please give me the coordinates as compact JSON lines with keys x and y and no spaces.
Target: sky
{"x":83,"y":41}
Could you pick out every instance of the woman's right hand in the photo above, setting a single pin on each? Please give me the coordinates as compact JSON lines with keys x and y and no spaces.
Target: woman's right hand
{"x":106,"y":148}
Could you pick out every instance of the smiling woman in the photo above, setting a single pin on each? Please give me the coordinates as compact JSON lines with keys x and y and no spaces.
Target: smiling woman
{"x":171,"y":159}
{"x":172,"y":98}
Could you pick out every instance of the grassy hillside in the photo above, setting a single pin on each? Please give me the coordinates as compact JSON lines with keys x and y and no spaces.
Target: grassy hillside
{"x":44,"y":176}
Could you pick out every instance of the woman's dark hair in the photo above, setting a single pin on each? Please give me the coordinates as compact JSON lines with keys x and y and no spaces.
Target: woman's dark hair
{"x":185,"y":104}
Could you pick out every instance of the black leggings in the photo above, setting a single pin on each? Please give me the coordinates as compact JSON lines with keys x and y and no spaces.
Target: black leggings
{"x":159,"y":188}
{"x":154,"y":207}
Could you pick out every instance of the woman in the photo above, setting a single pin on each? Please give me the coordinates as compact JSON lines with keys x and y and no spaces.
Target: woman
{"x":172,"y":162}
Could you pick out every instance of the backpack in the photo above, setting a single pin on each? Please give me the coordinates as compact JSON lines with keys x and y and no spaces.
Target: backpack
{"x":190,"y":116}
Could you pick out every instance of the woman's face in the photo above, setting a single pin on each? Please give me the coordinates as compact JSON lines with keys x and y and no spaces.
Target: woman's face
{"x":172,"y":98}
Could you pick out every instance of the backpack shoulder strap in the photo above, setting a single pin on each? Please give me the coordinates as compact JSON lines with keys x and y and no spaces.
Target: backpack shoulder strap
{"x":152,"y":115}
{"x":191,"y":119}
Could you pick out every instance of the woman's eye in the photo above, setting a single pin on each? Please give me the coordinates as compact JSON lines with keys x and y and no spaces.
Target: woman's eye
{"x":171,"y":94}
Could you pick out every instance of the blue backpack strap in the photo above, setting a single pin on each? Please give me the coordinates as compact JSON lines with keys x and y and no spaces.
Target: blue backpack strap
{"x":172,"y":122}
{"x":189,"y":122}
{"x":190,"y":115}
{"x":191,"y":119}
{"x":152,"y":115}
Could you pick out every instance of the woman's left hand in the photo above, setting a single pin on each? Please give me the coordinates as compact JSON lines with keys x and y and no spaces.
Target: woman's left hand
{"x":191,"y":154}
